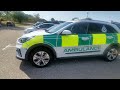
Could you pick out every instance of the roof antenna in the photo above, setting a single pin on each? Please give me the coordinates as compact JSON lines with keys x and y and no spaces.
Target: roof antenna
{"x":87,"y":14}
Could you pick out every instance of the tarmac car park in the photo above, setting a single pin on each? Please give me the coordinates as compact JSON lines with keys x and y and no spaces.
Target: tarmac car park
{"x":70,"y":39}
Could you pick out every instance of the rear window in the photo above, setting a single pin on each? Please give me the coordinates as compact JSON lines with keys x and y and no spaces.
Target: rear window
{"x":110,"y":29}
{"x":117,"y":24}
{"x":96,"y":28}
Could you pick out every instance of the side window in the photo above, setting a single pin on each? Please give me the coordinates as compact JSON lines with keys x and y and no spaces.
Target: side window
{"x":95,"y":28}
{"x":46,"y":25}
{"x":110,"y":29}
{"x":78,"y":28}
{"x":42,"y":26}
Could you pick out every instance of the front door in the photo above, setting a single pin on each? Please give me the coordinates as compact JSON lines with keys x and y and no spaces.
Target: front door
{"x":76,"y":43}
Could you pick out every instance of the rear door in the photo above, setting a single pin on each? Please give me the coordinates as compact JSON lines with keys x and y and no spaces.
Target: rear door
{"x":102,"y":36}
{"x":98,"y":37}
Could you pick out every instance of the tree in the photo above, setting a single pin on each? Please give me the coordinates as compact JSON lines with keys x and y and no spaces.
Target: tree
{"x":36,"y":17}
{"x":30,"y":18}
{"x":7,"y":15}
{"x":42,"y":20}
{"x":19,"y":16}
{"x":0,"y":13}
{"x":0,"y":16}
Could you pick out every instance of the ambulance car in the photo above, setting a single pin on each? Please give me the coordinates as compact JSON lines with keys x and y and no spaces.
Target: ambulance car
{"x":70,"y":39}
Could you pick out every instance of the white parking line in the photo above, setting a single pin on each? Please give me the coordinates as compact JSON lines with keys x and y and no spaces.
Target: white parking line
{"x":9,"y":45}
{"x":6,"y":47}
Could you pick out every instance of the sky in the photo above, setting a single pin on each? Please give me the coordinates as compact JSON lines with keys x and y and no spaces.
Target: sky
{"x":68,"y":15}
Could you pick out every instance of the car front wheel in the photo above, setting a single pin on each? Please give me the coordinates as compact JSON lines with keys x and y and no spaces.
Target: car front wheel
{"x":40,"y":57}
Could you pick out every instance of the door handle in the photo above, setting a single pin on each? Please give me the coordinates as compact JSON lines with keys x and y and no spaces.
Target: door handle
{"x":85,"y":38}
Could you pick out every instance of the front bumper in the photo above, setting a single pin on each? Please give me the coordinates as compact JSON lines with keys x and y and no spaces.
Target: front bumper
{"x":20,"y":52}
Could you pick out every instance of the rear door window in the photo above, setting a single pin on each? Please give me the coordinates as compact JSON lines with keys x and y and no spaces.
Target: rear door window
{"x":96,"y":28}
{"x":110,"y":29}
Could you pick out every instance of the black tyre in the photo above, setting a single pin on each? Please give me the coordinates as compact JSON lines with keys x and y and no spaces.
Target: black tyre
{"x":41,"y":57}
{"x":111,"y":53}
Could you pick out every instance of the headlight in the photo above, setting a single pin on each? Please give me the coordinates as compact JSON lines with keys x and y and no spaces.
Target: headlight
{"x":23,"y":40}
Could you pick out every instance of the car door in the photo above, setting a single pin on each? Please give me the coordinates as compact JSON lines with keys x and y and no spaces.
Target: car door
{"x":75,"y":43}
{"x":98,"y":32}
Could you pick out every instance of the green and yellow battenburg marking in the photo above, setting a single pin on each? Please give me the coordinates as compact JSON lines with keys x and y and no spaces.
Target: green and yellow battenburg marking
{"x":73,"y":40}
{"x":33,"y":41}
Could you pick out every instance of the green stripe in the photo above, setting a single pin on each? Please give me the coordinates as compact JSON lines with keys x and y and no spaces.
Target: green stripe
{"x":59,"y":41}
{"x":91,"y":39}
{"x":50,"y":39}
{"x":109,"y":40}
{"x":85,"y":42}
{"x":115,"y":38}
{"x":73,"y":40}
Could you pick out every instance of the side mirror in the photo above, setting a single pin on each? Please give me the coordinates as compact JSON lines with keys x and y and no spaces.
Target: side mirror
{"x":66,"y":32}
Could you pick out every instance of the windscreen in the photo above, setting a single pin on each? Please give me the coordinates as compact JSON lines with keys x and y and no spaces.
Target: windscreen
{"x":58,"y":27}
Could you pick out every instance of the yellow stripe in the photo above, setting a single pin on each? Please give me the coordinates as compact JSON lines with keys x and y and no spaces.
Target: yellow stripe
{"x":35,"y":40}
{"x":118,"y":35}
{"x":70,"y":40}
{"x":99,"y":39}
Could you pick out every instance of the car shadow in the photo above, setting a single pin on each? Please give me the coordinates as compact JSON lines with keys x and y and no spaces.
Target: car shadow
{"x":61,"y":68}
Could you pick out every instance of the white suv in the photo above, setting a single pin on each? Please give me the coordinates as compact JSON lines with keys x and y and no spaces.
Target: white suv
{"x":70,"y":39}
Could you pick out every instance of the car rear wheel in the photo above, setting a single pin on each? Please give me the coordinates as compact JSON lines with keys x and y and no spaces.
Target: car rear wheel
{"x":111,"y":53}
{"x":40,"y":57}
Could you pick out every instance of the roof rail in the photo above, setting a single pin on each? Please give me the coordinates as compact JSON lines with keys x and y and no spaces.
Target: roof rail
{"x":87,"y":19}
{"x":95,"y":20}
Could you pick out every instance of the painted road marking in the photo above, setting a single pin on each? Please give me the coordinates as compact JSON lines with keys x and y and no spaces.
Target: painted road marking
{"x":6,"y":47}
{"x":9,"y":45}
